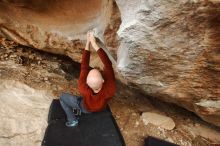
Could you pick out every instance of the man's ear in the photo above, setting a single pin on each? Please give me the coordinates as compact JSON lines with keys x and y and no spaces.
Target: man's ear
{"x":103,"y":81}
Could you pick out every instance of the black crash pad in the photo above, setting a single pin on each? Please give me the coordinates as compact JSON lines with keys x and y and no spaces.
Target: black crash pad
{"x":57,"y":113}
{"x":94,"y":129}
{"x":153,"y":141}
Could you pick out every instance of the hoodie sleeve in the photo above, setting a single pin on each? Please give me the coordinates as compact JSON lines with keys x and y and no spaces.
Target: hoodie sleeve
{"x":84,"y":70}
{"x":109,"y":76}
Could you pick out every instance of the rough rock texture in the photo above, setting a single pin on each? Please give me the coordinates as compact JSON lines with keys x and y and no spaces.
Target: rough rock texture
{"x":54,"y":26}
{"x":23,"y":112}
{"x":171,"y":50}
{"x":168,"y":49}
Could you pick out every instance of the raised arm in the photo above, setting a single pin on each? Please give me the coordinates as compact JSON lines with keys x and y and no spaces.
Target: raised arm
{"x":84,"y":70}
{"x":109,"y":85}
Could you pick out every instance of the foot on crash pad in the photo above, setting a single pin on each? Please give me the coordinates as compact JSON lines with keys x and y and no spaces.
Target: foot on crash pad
{"x":94,"y":129}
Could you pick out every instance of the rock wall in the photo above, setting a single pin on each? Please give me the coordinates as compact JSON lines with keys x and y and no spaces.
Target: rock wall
{"x":24,"y":113}
{"x":54,"y":26}
{"x":167,"y":49}
{"x":171,"y":50}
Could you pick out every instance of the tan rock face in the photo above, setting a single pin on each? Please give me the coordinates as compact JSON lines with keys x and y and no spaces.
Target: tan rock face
{"x":171,"y":50}
{"x":24,"y":113}
{"x":54,"y":26}
{"x":167,"y":49}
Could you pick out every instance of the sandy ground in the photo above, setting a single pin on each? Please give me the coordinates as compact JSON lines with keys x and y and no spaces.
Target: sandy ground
{"x":56,"y":74}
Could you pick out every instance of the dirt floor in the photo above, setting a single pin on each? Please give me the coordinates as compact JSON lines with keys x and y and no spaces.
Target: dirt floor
{"x":58,"y":74}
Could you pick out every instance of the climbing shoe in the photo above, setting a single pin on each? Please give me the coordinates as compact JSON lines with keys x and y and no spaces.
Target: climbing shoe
{"x":72,"y":124}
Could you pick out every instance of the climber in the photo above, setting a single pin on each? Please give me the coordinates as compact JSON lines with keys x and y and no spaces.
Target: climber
{"x":96,"y":87}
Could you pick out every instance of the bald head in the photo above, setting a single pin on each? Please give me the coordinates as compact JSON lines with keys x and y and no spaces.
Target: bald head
{"x":95,"y":80}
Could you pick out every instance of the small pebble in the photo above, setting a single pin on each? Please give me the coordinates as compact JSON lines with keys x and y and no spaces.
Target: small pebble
{"x":45,"y":78}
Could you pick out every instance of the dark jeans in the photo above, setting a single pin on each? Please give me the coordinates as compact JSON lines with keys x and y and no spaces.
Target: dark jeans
{"x":69,"y":102}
